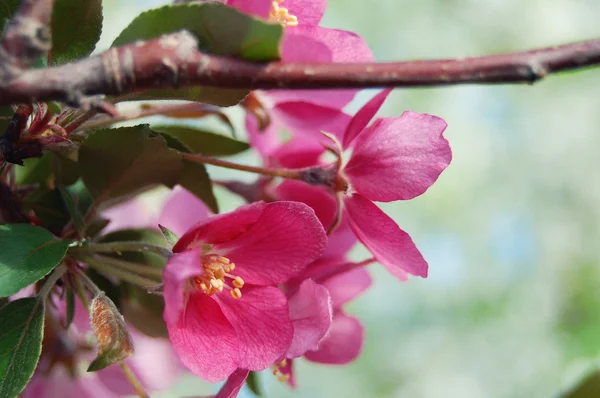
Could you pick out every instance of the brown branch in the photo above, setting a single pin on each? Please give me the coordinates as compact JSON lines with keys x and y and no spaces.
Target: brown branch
{"x":27,"y":36}
{"x":173,"y":60}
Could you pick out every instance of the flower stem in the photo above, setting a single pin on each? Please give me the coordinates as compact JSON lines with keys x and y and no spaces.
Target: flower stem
{"x":134,"y":381}
{"x":127,"y":276}
{"x":294,"y":174}
{"x":118,"y":247}
{"x":51,"y":281}
{"x":144,"y":270}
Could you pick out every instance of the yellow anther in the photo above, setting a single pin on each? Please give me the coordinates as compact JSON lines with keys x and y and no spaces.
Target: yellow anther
{"x":220,"y":273}
{"x":276,"y":372}
{"x":281,"y":15}
{"x":238,"y":282}
{"x":284,"y":378}
{"x":216,"y":276}
{"x":282,"y":363}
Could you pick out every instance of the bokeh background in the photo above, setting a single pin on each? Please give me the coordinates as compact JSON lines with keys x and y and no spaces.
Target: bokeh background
{"x":511,"y":229}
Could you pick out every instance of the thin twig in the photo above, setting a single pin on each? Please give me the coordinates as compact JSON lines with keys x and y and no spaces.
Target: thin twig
{"x":294,"y":174}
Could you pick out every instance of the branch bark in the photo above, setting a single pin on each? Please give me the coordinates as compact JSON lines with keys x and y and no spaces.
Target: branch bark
{"x":174,"y":60}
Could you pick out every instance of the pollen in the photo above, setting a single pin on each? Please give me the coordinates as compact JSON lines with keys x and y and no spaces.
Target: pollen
{"x":217,"y":276}
{"x":282,"y":15}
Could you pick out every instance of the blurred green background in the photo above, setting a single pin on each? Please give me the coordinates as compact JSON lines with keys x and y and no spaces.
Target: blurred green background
{"x":510,"y":230}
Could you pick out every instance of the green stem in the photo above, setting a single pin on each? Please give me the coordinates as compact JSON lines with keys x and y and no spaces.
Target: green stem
{"x":95,"y":262}
{"x":144,"y":270}
{"x":126,"y":246}
{"x":134,"y":381}
{"x":51,"y":280}
{"x":293,"y":174}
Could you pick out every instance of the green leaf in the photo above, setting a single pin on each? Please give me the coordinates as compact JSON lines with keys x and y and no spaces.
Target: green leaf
{"x":52,"y":168}
{"x":114,"y":340}
{"x":169,"y":235}
{"x":220,"y":30}
{"x":76,"y":28}
{"x":116,"y":163}
{"x":50,"y":208}
{"x":21,"y":332}
{"x":28,"y":254}
{"x":204,"y":142}
{"x":72,"y":208}
{"x":195,"y":179}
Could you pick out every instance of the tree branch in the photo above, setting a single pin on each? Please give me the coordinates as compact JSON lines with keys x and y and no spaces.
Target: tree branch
{"x":174,"y":60}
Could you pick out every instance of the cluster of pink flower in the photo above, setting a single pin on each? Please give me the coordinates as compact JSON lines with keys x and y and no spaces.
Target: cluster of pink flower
{"x":265,"y":284}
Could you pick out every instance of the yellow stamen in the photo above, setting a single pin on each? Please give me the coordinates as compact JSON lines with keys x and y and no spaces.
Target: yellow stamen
{"x":213,"y":280}
{"x":238,"y":282}
{"x":281,"y":15}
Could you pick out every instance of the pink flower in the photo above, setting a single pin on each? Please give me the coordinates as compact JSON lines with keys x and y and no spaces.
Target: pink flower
{"x":392,"y":159}
{"x":221,"y":307}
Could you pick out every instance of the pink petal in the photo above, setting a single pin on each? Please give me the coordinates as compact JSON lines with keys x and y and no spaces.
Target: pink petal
{"x":297,"y":153}
{"x":310,"y":313}
{"x":182,"y":211}
{"x":257,"y":8}
{"x":264,"y":141}
{"x":233,"y":385}
{"x":391,"y":246}
{"x":345,"y":287}
{"x":342,"y":345}
{"x":398,"y":158}
{"x":281,"y":243}
{"x":342,"y":47}
{"x":262,"y":325}
{"x":204,"y":339}
{"x":308,"y":12}
{"x":297,"y":46}
{"x":222,"y":227}
{"x":321,"y":201}
{"x":180,"y":268}
{"x":362,"y":118}
{"x":305,"y":119}
{"x":129,"y":214}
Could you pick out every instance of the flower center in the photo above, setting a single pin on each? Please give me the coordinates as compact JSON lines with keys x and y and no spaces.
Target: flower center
{"x":217,"y":276}
{"x":282,"y":15}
